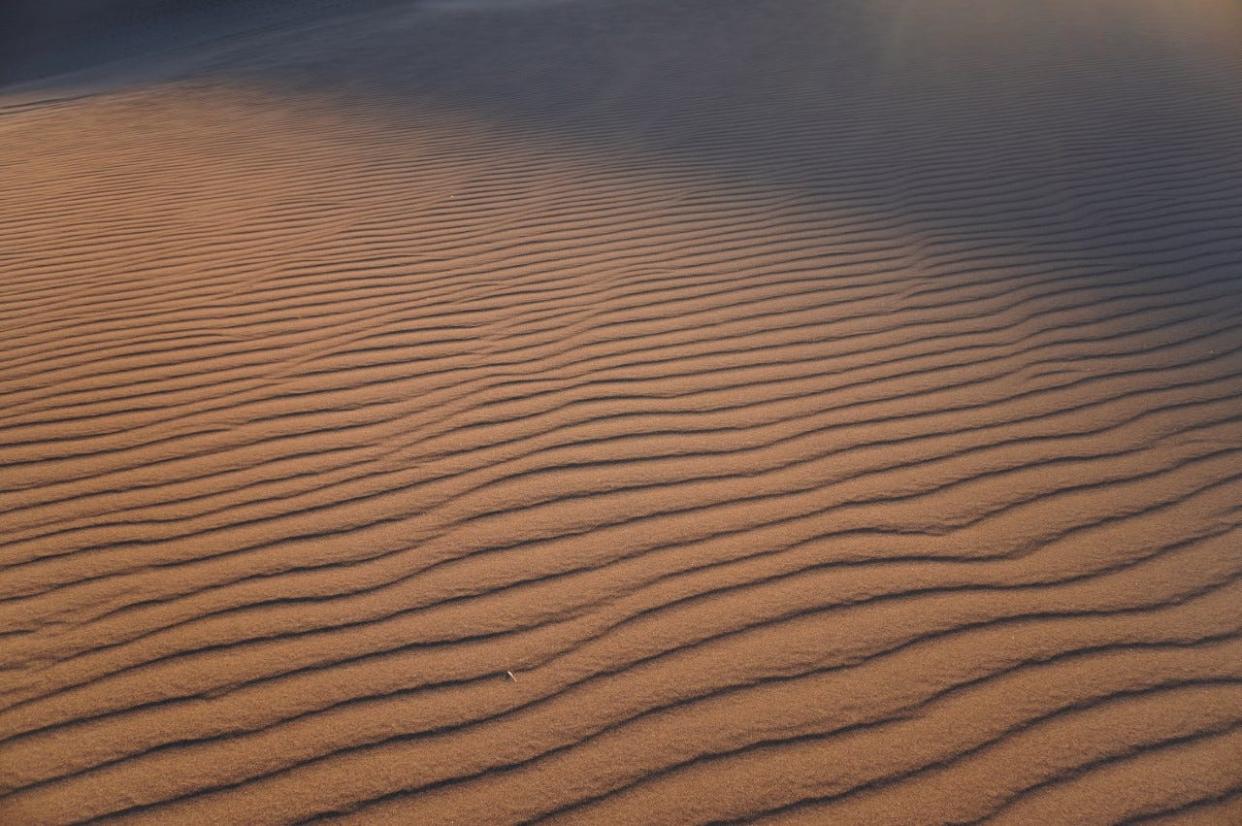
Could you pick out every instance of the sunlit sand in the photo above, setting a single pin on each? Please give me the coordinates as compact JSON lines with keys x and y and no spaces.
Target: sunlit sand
{"x":622,"y":412}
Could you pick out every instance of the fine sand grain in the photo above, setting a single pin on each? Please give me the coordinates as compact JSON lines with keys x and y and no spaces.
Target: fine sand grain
{"x":631,"y":412}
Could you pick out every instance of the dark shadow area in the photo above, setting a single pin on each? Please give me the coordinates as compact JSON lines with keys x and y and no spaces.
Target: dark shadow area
{"x":1107,"y":131}
{"x":43,"y":38}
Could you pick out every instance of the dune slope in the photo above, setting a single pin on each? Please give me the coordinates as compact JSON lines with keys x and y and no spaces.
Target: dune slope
{"x":628,"y":412}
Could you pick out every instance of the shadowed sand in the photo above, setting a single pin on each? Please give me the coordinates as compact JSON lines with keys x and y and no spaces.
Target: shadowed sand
{"x":623,"y":412}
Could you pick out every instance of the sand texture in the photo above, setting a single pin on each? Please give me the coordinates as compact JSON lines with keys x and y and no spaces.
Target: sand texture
{"x":630,"y":412}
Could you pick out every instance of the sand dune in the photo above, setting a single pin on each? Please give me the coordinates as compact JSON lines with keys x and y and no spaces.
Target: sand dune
{"x":624,"y":412}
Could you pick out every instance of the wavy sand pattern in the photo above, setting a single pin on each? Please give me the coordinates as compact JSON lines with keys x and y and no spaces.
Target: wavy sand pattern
{"x":628,"y":412}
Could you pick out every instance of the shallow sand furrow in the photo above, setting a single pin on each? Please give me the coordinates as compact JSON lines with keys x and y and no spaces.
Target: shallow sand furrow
{"x":1216,"y":806}
{"x":131,"y":727}
{"x":595,"y":453}
{"x":730,"y":634}
{"x":663,"y":396}
{"x":374,"y":754}
{"x":77,"y":496}
{"x":472,"y":411}
{"x":1206,"y":449}
{"x":998,"y":743}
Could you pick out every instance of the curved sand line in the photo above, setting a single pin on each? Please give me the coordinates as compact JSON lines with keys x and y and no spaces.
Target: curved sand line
{"x":627,"y":412}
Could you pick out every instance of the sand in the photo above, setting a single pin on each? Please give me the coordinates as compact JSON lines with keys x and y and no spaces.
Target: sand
{"x":622,"y":412}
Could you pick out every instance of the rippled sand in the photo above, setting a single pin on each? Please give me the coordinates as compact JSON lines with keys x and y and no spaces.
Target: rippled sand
{"x":625,"y":412}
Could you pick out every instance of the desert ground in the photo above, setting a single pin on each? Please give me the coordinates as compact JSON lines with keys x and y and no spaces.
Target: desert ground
{"x":621,"y":412}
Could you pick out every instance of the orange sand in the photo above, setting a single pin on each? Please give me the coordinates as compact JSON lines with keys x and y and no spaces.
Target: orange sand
{"x":486,"y":411}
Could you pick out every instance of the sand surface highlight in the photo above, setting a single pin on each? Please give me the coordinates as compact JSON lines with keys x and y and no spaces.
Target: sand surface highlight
{"x":623,"y":412}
